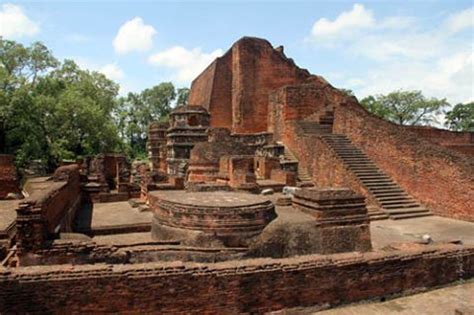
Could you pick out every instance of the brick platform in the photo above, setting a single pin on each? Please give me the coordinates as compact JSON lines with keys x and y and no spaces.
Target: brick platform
{"x":227,"y":216}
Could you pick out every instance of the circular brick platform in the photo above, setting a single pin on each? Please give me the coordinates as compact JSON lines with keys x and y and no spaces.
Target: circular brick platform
{"x":227,"y":216}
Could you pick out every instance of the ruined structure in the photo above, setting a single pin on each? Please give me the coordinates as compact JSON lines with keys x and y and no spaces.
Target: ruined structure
{"x":254,"y":88}
{"x":188,"y":125}
{"x":271,"y":180}
{"x":9,"y":184}
{"x":157,"y":150}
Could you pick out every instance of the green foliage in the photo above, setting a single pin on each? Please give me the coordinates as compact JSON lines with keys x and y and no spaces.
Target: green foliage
{"x":52,"y":111}
{"x":461,"y":117}
{"x":405,"y":107}
{"x":182,"y":96}
{"x":138,"y":110}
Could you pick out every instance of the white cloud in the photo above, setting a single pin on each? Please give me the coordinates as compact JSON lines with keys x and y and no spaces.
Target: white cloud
{"x":346,"y":22}
{"x":134,"y":35}
{"x":112,"y":71}
{"x":449,"y":77}
{"x":403,"y":53}
{"x":397,"y":22}
{"x":14,"y":23}
{"x":460,"y":20}
{"x":187,"y":63}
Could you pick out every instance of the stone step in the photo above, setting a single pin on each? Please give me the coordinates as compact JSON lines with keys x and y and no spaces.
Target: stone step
{"x":375,"y":217}
{"x":401,"y":205}
{"x":418,"y":209}
{"x":385,"y":190}
{"x":378,"y":180}
{"x":394,"y":197}
{"x":359,"y":170}
{"x":410,"y":215}
{"x":381,"y":185}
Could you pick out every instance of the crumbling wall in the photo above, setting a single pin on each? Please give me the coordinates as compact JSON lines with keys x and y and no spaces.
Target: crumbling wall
{"x":235,"y":87}
{"x":251,"y":286}
{"x":438,"y":177}
{"x":8,"y":177}
{"x":46,"y":212}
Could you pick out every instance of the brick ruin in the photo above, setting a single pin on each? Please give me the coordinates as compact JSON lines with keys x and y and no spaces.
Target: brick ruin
{"x":258,"y":196}
{"x":9,"y":184}
{"x":254,"y":88}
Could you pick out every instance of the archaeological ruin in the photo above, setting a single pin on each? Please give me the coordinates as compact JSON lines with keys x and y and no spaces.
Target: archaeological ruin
{"x":271,"y":190}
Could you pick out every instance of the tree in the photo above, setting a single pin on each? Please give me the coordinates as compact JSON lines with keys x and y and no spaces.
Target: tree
{"x":182,"y":98}
{"x":461,"y":117}
{"x":405,"y":107}
{"x":19,"y":69}
{"x":51,"y":110}
{"x":138,"y":110}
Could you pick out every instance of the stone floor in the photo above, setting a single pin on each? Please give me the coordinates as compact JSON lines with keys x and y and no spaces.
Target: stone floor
{"x":384,"y":232}
{"x":457,"y":299}
{"x":117,"y":214}
{"x":7,"y":213}
{"x":440,"y":229}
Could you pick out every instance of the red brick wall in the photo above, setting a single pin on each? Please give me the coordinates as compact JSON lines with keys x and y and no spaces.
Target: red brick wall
{"x":235,"y":88}
{"x":460,"y":141}
{"x":251,"y":286}
{"x":201,"y":87}
{"x":8,"y":177}
{"x":40,"y":214}
{"x":438,"y":177}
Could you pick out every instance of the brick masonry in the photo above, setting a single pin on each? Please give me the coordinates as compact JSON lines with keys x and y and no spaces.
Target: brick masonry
{"x":438,"y":177}
{"x":235,"y":87}
{"x":256,"y":286}
{"x":8,"y":176}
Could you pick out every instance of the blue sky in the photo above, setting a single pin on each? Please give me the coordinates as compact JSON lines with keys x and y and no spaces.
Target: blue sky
{"x":369,"y":47}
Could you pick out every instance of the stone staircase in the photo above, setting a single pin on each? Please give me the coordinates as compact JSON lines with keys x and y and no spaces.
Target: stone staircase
{"x":396,"y":203}
{"x":302,"y":175}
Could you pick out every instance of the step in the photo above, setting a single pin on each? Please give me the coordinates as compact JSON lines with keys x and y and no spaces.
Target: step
{"x":401,"y":206}
{"x":352,"y":160}
{"x":410,"y":216}
{"x":394,"y":197}
{"x":370,"y":181}
{"x":366,"y":173}
{"x":363,"y":168}
{"x":381,"y":185}
{"x":396,"y":194}
{"x":375,"y":217}
{"x":418,"y":209}
{"x":375,"y":191}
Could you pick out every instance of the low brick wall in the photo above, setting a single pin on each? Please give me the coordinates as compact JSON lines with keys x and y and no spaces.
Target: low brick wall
{"x":50,"y":210}
{"x":257,"y":286}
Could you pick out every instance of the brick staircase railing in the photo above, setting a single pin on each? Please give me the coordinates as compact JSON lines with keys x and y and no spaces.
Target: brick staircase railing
{"x":394,"y":201}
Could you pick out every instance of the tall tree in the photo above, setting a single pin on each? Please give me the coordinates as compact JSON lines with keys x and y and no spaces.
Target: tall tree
{"x":406,"y":107}
{"x":182,"y":96}
{"x":461,"y":117}
{"x":138,"y":110}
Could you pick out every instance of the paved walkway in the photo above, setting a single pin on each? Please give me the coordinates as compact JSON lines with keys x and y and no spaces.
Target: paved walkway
{"x":457,"y":299}
{"x":440,"y":229}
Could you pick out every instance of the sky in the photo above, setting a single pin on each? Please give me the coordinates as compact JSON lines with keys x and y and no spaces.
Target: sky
{"x":369,"y":47}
